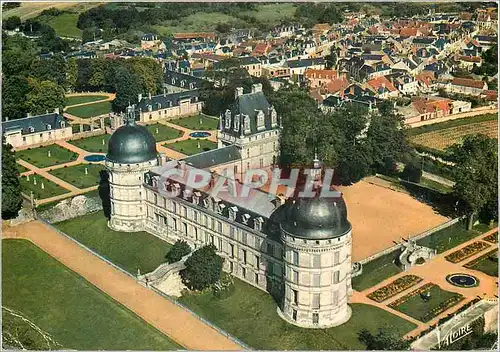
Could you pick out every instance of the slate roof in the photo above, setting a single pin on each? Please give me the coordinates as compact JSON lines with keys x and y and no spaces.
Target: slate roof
{"x":163,"y":101}
{"x":39,"y":123}
{"x":214,"y":157}
{"x":305,"y":62}
{"x":175,"y":78}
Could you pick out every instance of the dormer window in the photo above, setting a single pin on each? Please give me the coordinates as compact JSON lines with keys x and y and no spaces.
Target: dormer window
{"x":228,"y":119}
{"x":173,"y":81}
{"x":49,"y":127}
{"x":31,"y":129}
{"x":63,"y":124}
{"x":220,"y":208}
{"x":206,"y":203}
{"x":150,"y":108}
{"x":260,"y":120}
{"x":169,"y":104}
{"x":246,"y":122}
{"x":182,"y":83}
{"x":196,"y":198}
{"x":245,"y":218}
{"x":233,"y":211}
{"x":191,"y":85}
{"x":159,"y":105}
{"x":257,"y":223}
{"x":237,"y":123}
{"x":274,"y":117}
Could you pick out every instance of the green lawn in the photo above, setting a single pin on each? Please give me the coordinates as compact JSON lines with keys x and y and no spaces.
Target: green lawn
{"x":486,"y":264}
{"x":451,"y":236}
{"x":64,"y":24}
{"x":272,"y":13}
{"x":40,"y":156}
{"x":21,"y":168}
{"x":435,"y":185}
{"x":86,"y":111}
{"x":76,"y":176}
{"x":250,"y":315}
{"x":80,"y":99}
{"x":162,"y":132}
{"x":419,"y":309}
{"x":93,"y":144}
{"x":198,"y":122}
{"x":73,"y":311}
{"x":190,"y":146}
{"x":197,"y":22}
{"x":50,"y":188}
{"x":376,"y":271}
{"x":130,"y":251}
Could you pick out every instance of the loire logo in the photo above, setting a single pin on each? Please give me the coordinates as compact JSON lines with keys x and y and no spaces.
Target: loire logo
{"x":456,"y":335}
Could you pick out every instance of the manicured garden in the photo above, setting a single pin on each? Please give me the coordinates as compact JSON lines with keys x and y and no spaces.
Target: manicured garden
{"x":376,"y":271}
{"x":93,"y":144}
{"x":467,"y":251}
{"x":81,"y":99}
{"x":451,"y":236}
{"x":130,"y":251}
{"x":415,"y":305}
{"x":50,"y":189}
{"x":76,"y":176}
{"x":22,"y":169}
{"x":40,"y":156}
{"x":91,"y":110}
{"x":399,"y":285}
{"x":162,"y":132}
{"x":73,"y":311}
{"x":487,"y":263}
{"x":493,"y":238}
{"x":192,"y":146}
{"x":198,"y":122}
{"x":250,"y":315}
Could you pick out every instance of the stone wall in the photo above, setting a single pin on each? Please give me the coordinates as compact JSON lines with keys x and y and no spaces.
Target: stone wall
{"x":71,"y":208}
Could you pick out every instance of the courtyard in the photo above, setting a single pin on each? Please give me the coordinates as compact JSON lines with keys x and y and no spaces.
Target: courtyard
{"x":78,"y":177}
{"x":82,"y":99}
{"x":197,"y":122}
{"x":95,"y":144}
{"x":90,"y":110}
{"x":191,"y":146}
{"x":50,"y":189}
{"x":163,"y":133}
{"x":39,"y":157}
{"x":77,"y":314}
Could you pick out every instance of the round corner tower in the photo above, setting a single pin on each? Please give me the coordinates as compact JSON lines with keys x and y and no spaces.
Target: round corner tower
{"x":317,"y":260}
{"x":131,"y":152}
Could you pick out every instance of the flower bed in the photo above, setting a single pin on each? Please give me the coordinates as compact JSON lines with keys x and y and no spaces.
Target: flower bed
{"x":493,"y":238}
{"x":466,"y":252}
{"x":450,"y":302}
{"x":472,"y":263}
{"x":395,"y":287}
{"x":413,"y":293}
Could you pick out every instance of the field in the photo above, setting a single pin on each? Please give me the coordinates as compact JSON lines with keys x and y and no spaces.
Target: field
{"x":272,"y":13}
{"x":75,"y":175}
{"x":86,"y":111}
{"x":198,"y":22}
{"x":80,"y":99}
{"x":190,"y":146}
{"x":441,"y":139}
{"x":50,"y":188}
{"x":33,"y":9}
{"x":162,"y":132}
{"x":64,"y":24}
{"x":449,"y":124}
{"x":419,"y":309}
{"x":92,"y":144}
{"x":130,"y":251}
{"x":381,"y":216}
{"x":250,"y":315}
{"x":73,"y":311}
{"x":197,"y":122}
{"x":40,"y":156}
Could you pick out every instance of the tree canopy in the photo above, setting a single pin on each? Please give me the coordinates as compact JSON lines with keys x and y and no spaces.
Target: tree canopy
{"x":384,"y":339}
{"x":178,"y":250}
{"x":203,"y":268}
{"x":11,"y":186}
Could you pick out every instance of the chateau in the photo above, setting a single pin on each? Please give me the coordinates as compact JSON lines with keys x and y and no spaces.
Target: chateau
{"x":298,"y":250}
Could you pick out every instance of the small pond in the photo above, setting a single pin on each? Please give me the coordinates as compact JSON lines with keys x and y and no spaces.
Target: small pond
{"x":462,"y":280}
{"x":199,"y":134}
{"x":94,"y":157}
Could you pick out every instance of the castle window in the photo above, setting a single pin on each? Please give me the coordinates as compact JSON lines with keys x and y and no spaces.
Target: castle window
{"x":316,"y":280}
{"x":260,"y":120}
{"x":244,"y":237}
{"x":243,"y":272}
{"x":295,"y":257}
{"x":195,"y":216}
{"x":316,"y":301}
{"x":256,"y":278}
{"x":244,"y":256}
{"x":231,"y":253}
{"x":219,"y":226}
{"x":315,"y":318}
{"x":227,"y":119}
{"x":257,"y":261}
{"x":295,"y":276}
{"x":294,"y":314}
{"x":174,"y":207}
{"x":336,"y":258}
{"x":295,"y":297}
{"x":184,"y":228}
{"x":231,"y":231}
{"x":237,"y":123}
{"x":335,"y":297}
{"x":270,"y":249}
{"x":246,"y":122}
{"x":336,"y":277}
{"x":184,"y":212}
{"x":316,"y":261}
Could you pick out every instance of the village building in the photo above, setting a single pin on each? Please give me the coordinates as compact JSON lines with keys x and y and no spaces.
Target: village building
{"x":168,"y":106}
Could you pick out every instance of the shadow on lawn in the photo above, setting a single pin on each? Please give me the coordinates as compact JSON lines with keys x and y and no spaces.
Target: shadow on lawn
{"x":443,"y":203}
{"x":103,"y":190}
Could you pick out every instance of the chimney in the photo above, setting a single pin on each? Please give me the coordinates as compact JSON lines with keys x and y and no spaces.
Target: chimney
{"x":149,"y":95}
{"x":256,"y":87}
{"x":238,"y":92}
{"x":56,"y":111}
{"x":164,"y":92}
{"x":139,"y":97}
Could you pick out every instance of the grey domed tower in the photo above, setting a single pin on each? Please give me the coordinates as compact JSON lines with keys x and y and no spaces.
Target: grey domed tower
{"x":317,"y":259}
{"x":131,"y":152}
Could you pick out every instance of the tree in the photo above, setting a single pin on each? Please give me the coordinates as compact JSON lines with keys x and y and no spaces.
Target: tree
{"x":127,"y":87}
{"x":178,"y":250}
{"x":412,"y":171}
{"x":53,"y":69}
{"x":385,"y":339}
{"x":71,"y":74}
{"x":11,"y":186}
{"x":44,"y":96}
{"x":476,"y":172}
{"x":11,"y":23}
{"x":203,"y":268}
{"x":15,"y":89}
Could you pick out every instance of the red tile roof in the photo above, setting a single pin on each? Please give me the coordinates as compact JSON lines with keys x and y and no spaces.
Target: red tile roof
{"x":336,"y":85}
{"x":470,"y":58}
{"x":381,"y":82}
{"x":194,"y":35}
{"x":311,"y":73}
{"x":467,"y":82}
